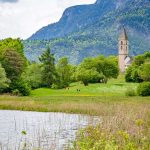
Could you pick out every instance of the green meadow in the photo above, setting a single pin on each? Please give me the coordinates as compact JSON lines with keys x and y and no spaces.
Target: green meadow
{"x":114,"y":87}
{"x":95,"y":99}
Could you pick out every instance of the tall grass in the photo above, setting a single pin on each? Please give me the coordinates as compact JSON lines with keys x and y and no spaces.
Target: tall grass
{"x":125,"y":127}
{"x":85,"y":105}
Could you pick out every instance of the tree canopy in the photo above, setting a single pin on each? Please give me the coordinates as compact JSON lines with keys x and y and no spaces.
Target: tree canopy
{"x":48,"y":63}
{"x":139,"y":71}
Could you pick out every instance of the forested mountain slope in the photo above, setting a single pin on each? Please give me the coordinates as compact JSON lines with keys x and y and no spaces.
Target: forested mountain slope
{"x":90,"y":30}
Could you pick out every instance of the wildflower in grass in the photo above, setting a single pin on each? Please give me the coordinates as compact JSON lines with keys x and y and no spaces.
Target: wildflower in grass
{"x":139,"y":122}
{"x":124,"y":135}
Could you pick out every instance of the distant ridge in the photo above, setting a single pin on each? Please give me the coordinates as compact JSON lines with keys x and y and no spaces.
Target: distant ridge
{"x":90,"y":30}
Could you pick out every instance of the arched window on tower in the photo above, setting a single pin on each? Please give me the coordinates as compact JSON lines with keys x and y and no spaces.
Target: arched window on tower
{"x":121,"y":42}
{"x":121,"y":47}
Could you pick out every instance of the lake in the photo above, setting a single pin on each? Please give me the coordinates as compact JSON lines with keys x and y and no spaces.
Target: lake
{"x":46,"y":131}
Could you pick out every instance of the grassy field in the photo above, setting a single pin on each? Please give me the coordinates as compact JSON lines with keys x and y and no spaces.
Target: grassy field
{"x":114,"y":87}
{"x":95,"y":99}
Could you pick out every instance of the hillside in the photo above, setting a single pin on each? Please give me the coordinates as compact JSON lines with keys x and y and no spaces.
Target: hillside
{"x":89,"y":30}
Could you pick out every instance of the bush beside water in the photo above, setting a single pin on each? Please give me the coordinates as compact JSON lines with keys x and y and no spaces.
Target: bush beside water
{"x":114,"y":133}
{"x":97,"y":138}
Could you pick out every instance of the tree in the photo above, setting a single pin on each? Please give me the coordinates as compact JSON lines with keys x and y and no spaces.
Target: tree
{"x":49,"y":72}
{"x":14,"y":64}
{"x":10,"y":43}
{"x":88,"y":75}
{"x":64,"y":71}
{"x":20,"y":87}
{"x":139,"y":60}
{"x":33,"y":75}
{"x":110,"y":69}
{"x":100,"y":69}
{"x":128,"y":74}
{"x":139,"y":71}
{"x":3,"y":79}
{"x":145,"y":72}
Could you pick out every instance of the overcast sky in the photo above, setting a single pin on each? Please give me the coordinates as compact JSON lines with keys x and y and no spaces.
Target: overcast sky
{"x":21,"y":18}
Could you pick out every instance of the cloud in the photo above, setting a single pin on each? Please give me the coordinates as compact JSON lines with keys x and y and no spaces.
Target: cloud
{"x":25,"y":17}
{"x":8,"y":1}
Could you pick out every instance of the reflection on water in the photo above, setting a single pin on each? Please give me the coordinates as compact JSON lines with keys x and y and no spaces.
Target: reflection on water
{"x":42,"y":130}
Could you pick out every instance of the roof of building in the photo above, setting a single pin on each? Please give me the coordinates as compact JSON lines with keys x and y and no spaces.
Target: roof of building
{"x":128,"y":60}
{"x":123,"y":34}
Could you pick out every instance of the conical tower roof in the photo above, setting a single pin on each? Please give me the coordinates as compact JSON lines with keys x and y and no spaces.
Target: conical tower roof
{"x":123,"y":34}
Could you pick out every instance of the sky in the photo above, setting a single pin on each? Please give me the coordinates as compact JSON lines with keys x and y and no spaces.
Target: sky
{"x":22,"y":18}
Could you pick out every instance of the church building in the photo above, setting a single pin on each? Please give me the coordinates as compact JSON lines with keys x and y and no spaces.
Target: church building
{"x":124,"y":59}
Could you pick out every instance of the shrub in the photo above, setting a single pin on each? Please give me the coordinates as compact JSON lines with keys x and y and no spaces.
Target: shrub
{"x":128,"y":76}
{"x":135,"y":75}
{"x":21,"y":87}
{"x":144,"y":89}
{"x":103,"y":138}
{"x":57,"y":86}
{"x":130,"y":92}
{"x":16,"y":92}
{"x":145,"y":72}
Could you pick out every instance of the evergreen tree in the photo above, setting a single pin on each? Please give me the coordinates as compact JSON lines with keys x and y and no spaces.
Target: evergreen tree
{"x":49,"y":72}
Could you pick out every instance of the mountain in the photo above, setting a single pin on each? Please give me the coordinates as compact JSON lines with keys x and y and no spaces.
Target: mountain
{"x":90,"y":30}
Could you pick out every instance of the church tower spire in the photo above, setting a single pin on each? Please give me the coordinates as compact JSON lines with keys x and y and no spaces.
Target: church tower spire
{"x":123,"y":50}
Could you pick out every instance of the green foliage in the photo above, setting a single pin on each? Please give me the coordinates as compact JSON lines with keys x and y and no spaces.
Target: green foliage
{"x":140,"y":69}
{"x":144,"y":89}
{"x":136,"y":75}
{"x":64,"y":72}
{"x":10,"y":43}
{"x":16,"y":92}
{"x":97,"y":70}
{"x":4,"y":82}
{"x":88,"y":76}
{"x":128,"y":73}
{"x":14,"y":63}
{"x":49,"y":72}
{"x":139,"y":60}
{"x":130,"y":92}
{"x":145,"y":72}
{"x":110,"y":69}
{"x":101,"y":138}
{"x":24,"y":133}
{"x":20,"y":87}
{"x":33,"y":76}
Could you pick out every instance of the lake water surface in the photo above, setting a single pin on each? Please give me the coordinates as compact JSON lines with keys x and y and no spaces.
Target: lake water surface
{"x":47,"y":131}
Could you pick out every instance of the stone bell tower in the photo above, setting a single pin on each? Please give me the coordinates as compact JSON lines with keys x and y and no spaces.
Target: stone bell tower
{"x":123,"y":50}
